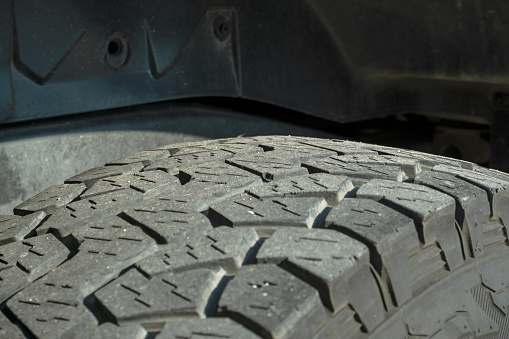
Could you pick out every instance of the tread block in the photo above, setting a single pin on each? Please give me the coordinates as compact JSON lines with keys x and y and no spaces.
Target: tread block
{"x":294,"y":151}
{"x":491,"y":172}
{"x":49,"y":311}
{"x":334,"y":165}
{"x":54,"y":303}
{"x":221,"y":246}
{"x":389,"y":235}
{"x":50,"y":199}
{"x":272,"y":303}
{"x":109,"y":330}
{"x":270,"y":138}
{"x":244,"y":210}
{"x":173,"y":148}
{"x":236,"y":148}
{"x":199,"y":195}
{"x":207,"y":328}
{"x":9,"y":330}
{"x":427,"y":160}
{"x":167,"y":219}
{"x":112,"y":237}
{"x":82,"y":212}
{"x":285,"y":143}
{"x":134,"y":297}
{"x":217,"y":147}
{"x":145,"y":157}
{"x":14,"y":228}
{"x":240,"y":141}
{"x":496,"y":188}
{"x":433,"y":213}
{"x":333,"y":263}
{"x":257,"y":141}
{"x":471,"y":206}
{"x":173,"y":164}
{"x":218,"y":173}
{"x":105,"y":249}
{"x":339,"y":146}
{"x":151,"y":182}
{"x":332,"y":188}
{"x":410,"y":166}
{"x":293,"y":155}
{"x":270,"y":168}
{"x":23,"y":262}
{"x":93,"y":175}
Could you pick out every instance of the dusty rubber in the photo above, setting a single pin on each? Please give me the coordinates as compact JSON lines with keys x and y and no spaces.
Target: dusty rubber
{"x":272,"y":237}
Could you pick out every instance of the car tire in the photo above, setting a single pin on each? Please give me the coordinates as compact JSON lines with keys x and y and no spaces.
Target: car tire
{"x":272,"y":237}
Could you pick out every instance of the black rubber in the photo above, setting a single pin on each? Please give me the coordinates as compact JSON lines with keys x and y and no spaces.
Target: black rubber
{"x":273,"y":237}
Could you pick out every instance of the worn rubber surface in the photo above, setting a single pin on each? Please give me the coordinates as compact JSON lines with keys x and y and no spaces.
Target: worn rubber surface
{"x":272,"y":237}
